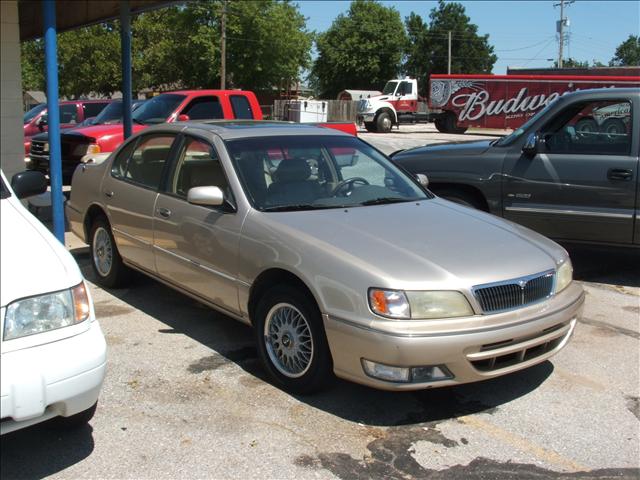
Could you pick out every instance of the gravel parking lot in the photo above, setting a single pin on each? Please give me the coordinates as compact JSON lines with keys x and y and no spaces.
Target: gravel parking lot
{"x":185,"y":397}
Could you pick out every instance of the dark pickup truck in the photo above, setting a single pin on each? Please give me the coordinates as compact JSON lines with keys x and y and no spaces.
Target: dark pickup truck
{"x":570,"y":172}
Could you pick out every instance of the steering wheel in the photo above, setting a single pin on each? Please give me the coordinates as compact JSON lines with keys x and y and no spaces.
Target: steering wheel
{"x":349,"y":182}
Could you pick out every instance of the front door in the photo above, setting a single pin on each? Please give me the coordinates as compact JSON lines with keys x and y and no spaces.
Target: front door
{"x":130,"y":193}
{"x":583,"y":185}
{"x":196,"y":246}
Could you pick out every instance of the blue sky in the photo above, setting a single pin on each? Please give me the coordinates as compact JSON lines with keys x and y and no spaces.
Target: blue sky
{"x":523,"y":33}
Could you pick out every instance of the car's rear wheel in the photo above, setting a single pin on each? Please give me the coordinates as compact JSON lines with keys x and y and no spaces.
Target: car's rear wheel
{"x":614,"y":128}
{"x":292,"y":343}
{"x":447,"y":123}
{"x":74,"y":421}
{"x":105,"y":258}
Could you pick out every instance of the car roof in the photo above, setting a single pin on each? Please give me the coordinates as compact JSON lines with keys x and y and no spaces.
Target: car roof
{"x":231,"y":129}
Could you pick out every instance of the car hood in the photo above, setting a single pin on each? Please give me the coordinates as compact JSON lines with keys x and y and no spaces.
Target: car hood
{"x":101,"y":132}
{"x":432,"y":243}
{"x":33,"y":261}
{"x":449,"y":149}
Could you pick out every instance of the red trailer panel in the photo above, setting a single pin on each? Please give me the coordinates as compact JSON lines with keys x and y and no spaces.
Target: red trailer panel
{"x":507,"y":101}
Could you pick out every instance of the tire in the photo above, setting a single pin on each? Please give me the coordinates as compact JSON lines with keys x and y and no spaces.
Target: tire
{"x":105,"y":259}
{"x":384,"y":122}
{"x":370,"y":126}
{"x":614,"y":128}
{"x":586,"y":127}
{"x":308,"y":367}
{"x":460,"y":197}
{"x":74,"y":421}
{"x":447,"y":123}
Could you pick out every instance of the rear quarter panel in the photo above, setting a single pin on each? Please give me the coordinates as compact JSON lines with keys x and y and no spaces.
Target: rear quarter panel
{"x":86,"y":190}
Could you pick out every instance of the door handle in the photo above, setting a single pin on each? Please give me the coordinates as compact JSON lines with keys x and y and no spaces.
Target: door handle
{"x":108,"y":194}
{"x":164,"y":212}
{"x":619,"y":174}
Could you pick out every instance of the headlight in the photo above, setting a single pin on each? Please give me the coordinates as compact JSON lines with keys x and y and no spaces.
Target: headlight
{"x":46,"y":312}
{"x":438,"y":304}
{"x":564,"y":275}
{"x":417,"y":305}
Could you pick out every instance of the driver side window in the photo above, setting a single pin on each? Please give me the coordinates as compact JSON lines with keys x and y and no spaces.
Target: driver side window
{"x":593,"y":128}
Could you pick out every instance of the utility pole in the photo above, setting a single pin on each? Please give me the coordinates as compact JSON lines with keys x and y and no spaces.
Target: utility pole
{"x":223,"y":46}
{"x":560,"y":28}
{"x":449,"y":63}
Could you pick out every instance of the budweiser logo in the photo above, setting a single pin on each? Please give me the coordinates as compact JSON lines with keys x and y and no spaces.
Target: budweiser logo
{"x":476,"y":105}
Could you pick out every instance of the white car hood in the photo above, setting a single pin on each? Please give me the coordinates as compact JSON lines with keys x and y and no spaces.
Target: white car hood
{"x":33,"y":261}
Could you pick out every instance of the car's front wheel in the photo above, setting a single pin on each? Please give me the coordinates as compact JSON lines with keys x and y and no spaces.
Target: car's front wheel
{"x":291,"y":340}
{"x":105,"y":258}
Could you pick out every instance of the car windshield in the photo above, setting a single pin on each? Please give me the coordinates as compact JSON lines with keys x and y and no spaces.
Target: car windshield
{"x":112,"y":113}
{"x":389,"y":88}
{"x":158,"y":109}
{"x":306,"y":172}
{"x":33,"y":112}
{"x":513,"y":136}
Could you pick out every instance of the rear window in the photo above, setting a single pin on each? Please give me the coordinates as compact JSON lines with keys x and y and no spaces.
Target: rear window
{"x":241,"y":107}
{"x":93,"y":109}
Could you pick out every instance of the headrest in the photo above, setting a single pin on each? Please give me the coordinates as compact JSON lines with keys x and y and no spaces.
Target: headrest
{"x":293,"y":170}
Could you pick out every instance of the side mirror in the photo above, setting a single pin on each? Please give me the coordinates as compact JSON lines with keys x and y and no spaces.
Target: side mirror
{"x":28,"y":183}
{"x":207,"y":196}
{"x":533,"y":145}
{"x":183,"y":118}
{"x":423,"y":179}
{"x":42,"y":122}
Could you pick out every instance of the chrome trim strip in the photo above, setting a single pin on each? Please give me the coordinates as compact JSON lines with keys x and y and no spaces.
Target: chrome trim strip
{"x":128,"y":235}
{"x":197,"y":264}
{"x":327,"y":317}
{"x":569,"y":212}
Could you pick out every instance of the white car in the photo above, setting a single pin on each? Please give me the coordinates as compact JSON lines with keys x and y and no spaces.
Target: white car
{"x":53,"y":352}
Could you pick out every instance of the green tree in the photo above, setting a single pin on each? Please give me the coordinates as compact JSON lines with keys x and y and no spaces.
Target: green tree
{"x":627,"y":53}
{"x":361,"y":50}
{"x":179,"y":47}
{"x":573,"y":63}
{"x":471,"y":52}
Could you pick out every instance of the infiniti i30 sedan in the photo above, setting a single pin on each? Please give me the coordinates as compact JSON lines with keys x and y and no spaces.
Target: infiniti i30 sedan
{"x":340,"y":261}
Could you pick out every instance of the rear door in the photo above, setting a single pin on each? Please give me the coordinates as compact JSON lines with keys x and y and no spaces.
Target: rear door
{"x":583,"y":186}
{"x":207,"y":107}
{"x":130,"y":192}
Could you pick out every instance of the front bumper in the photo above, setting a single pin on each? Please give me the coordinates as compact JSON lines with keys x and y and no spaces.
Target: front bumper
{"x":366,"y":117}
{"x":60,"y":378}
{"x":526,"y":337}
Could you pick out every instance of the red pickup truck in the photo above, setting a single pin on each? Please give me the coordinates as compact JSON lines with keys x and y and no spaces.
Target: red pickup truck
{"x":72,"y":113}
{"x":178,"y":106}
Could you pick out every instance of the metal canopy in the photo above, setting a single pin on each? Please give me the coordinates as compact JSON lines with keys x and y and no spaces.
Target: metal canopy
{"x":72,"y":14}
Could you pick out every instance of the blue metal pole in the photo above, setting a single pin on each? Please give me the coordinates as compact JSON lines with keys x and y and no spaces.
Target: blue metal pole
{"x":125,"y":44}
{"x":55,"y":157}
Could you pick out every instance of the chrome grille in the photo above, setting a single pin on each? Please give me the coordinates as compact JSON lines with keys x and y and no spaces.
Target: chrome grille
{"x":37,"y":148}
{"x":514,"y":293}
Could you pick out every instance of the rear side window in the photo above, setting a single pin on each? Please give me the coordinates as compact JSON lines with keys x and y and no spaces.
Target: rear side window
{"x":241,"y":107}
{"x":146,"y":162}
{"x":205,"y":108}
{"x":93,"y":109}
{"x":69,"y":113}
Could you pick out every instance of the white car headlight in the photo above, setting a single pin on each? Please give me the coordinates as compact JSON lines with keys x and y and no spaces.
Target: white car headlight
{"x":439,"y":304}
{"x":46,"y":312}
{"x":418,"y":305}
{"x":564,"y":275}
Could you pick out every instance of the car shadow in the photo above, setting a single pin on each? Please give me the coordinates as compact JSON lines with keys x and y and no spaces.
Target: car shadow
{"x":40,"y":451}
{"x":615,"y":266}
{"x":233,"y":341}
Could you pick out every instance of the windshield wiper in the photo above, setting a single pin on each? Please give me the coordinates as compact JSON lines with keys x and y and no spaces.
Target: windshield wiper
{"x":298,"y":206}
{"x":386,"y":200}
